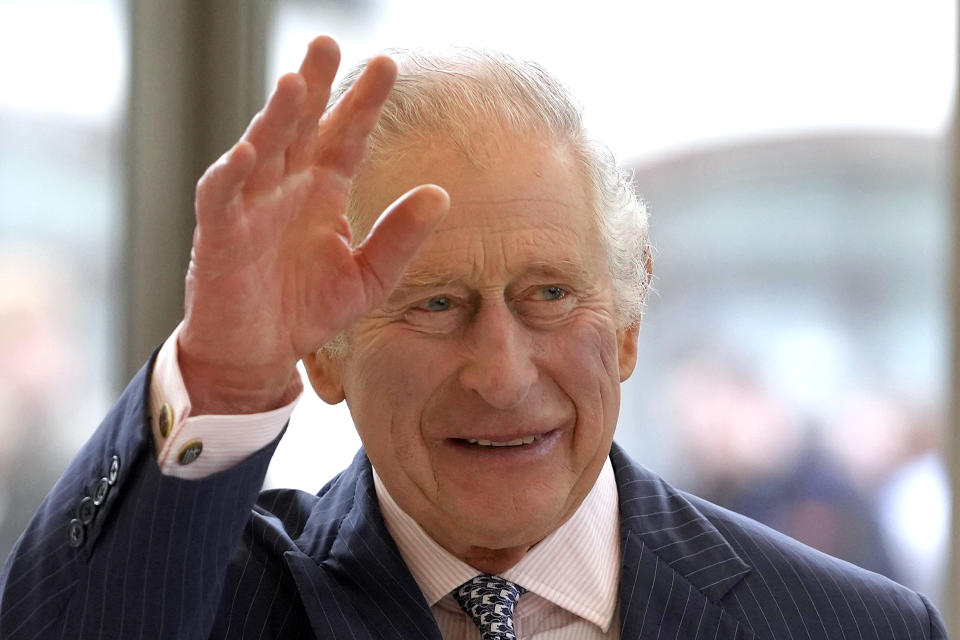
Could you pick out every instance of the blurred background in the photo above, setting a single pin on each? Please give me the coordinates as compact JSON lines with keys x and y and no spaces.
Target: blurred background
{"x":795,"y":359}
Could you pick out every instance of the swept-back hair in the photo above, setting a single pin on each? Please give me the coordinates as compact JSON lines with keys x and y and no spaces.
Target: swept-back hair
{"x":474,"y":97}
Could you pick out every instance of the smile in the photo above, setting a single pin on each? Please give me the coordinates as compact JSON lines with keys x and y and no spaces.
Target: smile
{"x":510,"y":443}
{"x":508,"y":449}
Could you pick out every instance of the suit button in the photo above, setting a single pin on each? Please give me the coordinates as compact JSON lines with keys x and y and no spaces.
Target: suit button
{"x":165,"y":420}
{"x":100,"y":491}
{"x":114,"y":470}
{"x":190,"y":452}
{"x":87,"y":510}
{"x":75,"y":533}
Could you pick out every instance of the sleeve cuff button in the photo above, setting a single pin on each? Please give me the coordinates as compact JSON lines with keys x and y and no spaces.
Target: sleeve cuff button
{"x":75,"y":533}
{"x":100,"y":491}
{"x":114,"y":470}
{"x":86,"y":511}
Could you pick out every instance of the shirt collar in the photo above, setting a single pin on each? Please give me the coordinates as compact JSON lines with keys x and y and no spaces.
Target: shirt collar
{"x":575,"y":567}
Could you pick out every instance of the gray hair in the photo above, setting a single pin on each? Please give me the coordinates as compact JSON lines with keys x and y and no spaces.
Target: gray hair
{"x":452,"y":91}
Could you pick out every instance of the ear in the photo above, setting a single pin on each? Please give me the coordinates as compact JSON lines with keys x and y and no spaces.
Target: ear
{"x":323,"y":369}
{"x":627,"y":349}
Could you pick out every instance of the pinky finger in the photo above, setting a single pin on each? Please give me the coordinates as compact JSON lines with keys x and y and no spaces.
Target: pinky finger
{"x":225,"y":178}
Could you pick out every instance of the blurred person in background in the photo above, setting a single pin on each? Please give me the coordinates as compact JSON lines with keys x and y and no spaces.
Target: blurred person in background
{"x":889,"y":447}
{"x":489,"y":499}
{"x":811,"y":266}
{"x":751,"y":453}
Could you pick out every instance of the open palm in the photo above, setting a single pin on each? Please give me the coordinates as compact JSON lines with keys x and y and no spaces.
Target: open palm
{"x":272,"y":273}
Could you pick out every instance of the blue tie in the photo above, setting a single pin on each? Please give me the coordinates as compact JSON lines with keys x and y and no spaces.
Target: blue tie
{"x":490,"y":600}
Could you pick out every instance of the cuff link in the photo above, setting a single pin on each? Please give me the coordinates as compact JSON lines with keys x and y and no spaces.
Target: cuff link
{"x":190,"y":452}
{"x":165,"y":420}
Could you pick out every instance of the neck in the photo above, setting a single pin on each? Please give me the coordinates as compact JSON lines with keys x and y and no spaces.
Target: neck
{"x":493,"y":561}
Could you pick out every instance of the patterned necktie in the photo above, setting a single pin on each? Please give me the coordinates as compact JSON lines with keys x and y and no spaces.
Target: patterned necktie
{"x":490,"y":600}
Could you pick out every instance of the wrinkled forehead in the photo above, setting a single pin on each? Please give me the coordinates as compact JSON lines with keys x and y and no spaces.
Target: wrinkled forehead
{"x":504,"y":167}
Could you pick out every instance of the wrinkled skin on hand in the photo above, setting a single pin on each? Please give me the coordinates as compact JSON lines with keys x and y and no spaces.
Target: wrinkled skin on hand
{"x":272,"y":273}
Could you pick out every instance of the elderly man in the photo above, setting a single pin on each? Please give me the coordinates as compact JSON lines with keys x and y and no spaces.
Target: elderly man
{"x":479,"y":331}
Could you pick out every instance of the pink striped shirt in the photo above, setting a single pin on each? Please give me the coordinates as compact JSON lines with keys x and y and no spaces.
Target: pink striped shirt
{"x":226,"y":439}
{"x":572,"y":575}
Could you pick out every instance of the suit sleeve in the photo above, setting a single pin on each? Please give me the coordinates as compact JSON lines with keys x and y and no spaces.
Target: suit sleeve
{"x":119,"y":550}
{"x":938,"y":630}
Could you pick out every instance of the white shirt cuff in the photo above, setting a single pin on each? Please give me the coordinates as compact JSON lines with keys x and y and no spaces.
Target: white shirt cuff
{"x":194,"y":447}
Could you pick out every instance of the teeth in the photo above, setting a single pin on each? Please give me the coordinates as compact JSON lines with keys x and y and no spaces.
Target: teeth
{"x":511,"y":443}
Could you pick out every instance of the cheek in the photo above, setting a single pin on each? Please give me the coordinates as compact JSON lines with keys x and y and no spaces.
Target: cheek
{"x":584,"y":364}
{"x":586,"y":355}
{"x":387,"y":385}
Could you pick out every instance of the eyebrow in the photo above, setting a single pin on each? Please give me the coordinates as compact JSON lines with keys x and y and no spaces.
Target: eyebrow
{"x":561,"y":271}
{"x":571,"y":271}
{"x":413,"y":282}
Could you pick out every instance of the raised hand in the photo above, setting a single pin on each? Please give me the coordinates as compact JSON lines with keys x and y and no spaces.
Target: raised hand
{"x":272,"y":275}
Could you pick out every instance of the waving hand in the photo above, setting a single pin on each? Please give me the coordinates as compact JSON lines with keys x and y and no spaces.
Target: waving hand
{"x":272,"y":274}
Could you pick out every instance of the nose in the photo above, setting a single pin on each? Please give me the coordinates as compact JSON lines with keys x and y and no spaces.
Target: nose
{"x":499,"y":368}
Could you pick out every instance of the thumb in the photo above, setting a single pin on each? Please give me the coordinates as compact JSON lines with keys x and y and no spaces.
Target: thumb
{"x":397,"y":236}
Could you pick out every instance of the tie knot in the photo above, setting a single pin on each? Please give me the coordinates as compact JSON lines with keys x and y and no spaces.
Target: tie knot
{"x":490,"y":600}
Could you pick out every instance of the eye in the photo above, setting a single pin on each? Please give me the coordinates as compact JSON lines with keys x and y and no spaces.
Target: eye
{"x":546,"y":302}
{"x":439,"y":303}
{"x":438,"y":314}
{"x":552,"y":292}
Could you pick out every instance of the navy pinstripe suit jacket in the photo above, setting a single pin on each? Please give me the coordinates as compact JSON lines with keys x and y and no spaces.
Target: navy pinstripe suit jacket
{"x":169,"y":558}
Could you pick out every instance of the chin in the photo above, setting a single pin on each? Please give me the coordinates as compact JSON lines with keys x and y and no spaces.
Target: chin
{"x":507,"y":526}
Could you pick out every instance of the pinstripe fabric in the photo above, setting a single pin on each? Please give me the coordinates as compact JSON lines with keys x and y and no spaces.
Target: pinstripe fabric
{"x":693,"y":570}
{"x":173,"y":558}
{"x":52,"y":590}
{"x":571,"y":576}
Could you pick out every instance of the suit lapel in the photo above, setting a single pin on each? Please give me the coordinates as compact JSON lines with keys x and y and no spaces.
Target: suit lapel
{"x":351,"y":577}
{"x":676,"y":567}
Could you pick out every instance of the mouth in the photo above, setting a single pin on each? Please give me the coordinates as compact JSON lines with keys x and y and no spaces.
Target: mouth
{"x":513,"y":444}
{"x":517,"y":442}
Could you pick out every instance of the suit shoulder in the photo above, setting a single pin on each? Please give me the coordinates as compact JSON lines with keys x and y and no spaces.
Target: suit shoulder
{"x":771,"y":584}
{"x":792,"y":585}
{"x":761,"y":545}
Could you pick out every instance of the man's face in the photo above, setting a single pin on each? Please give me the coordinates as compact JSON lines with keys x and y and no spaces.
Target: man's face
{"x":502,"y":331}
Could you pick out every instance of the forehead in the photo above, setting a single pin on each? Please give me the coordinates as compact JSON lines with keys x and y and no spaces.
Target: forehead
{"x":526,"y":206}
